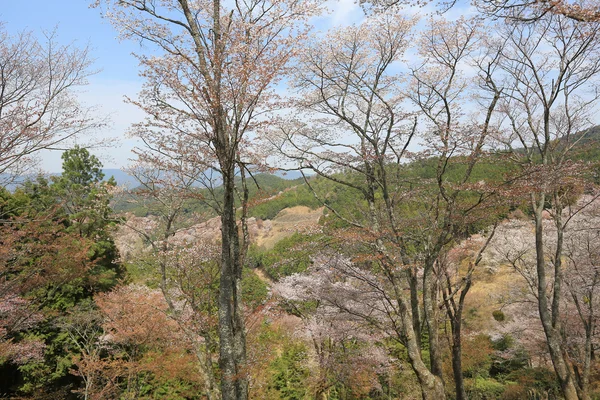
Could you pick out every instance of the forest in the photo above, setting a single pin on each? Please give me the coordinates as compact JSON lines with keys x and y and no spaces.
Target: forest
{"x":440,"y":238}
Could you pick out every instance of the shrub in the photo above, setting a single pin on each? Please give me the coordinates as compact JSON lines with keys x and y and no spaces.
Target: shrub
{"x":484,"y":389}
{"x":498,"y":315}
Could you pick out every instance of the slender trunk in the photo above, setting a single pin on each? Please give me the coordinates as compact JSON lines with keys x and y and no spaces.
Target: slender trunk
{"x":584,"y":376}
{"x":549,"y":318}
{"x":454,"y":313}
{"x":590,"y":328}
{"x":88,"y":388}
{"x":204,"y":358}
{"x":234,"y":383}
{"x":430,"y":316}
{"x":413,"y":283}
{"x":459,"y":384}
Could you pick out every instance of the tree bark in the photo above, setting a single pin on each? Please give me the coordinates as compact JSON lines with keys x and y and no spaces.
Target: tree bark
{"x":548,"y":318}
{"x":432,"y":387}
{"x":459,"y":383}
{"x":456,"y":325}
{"x":413,"y":283}
{"x":430,"y":316}
{"x":234,"y":383}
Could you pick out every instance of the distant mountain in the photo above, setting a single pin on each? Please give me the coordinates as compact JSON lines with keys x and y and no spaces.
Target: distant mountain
{"x":122,"y":178}
{"x":291,"y":175}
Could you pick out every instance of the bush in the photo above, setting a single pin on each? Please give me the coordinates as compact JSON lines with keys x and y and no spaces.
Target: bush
{"x":498,"y":315}
{"x":484,"y":389}
{"x":476,"y":356}
{"x":540,"y":381}
{"x":514,"y":391}
{"x":290,"y":372}
{"x":254,"y":290}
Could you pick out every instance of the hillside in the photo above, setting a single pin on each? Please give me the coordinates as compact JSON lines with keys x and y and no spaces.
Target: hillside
{"x":263,"y":233}
{"x":262,"y":186}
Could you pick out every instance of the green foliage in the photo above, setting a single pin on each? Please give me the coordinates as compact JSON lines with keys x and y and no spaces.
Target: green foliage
{"x":59,"y":254}
{"x":85,"y":199}
{"x":254,"y":291}
{"x":289,"y":256}
{"x":35,"y":376}
{"x":502,"y":365}
{"x":537,"y":381}
{"x":498,"y":315}
{"x":484,"y":388}
{"x":299,"y":195}
{"x":80,"y":168}
{"x":504,"y":343}
{"x":143,"y":271}
{"x":290,"y":372}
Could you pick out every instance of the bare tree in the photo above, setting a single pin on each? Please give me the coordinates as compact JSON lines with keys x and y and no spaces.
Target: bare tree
{"x":440,"y":90}
{"x":212,"y":79}
{"x":582,"y":277}
{"x":355,"y":115}
{"x":533,"y":10}
{"x":550,"y":73}
{"x":38,"y":105}
{"x":455,"y":287}
{"x":579,"y":311}
{"x":356,"y":122}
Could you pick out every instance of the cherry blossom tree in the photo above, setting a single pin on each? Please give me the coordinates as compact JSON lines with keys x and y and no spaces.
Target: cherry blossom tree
{"x":455,"y":287}
{"x":206,"y":87}
{"x":356,"y":121}
{"x":186,"y":271}
{"x":348,"y":351}
{"x":440,"y":90}
{"x":137,"y":330}
{"x":514,"y":10}
{"x":38,"y":105}
{"x":549,"y":72}
{"x":578,"y":308}
{"x":582,"y":277}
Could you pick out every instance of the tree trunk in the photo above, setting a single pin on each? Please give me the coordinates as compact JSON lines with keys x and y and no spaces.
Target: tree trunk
{"x":550,"y":319}
{"x":432,"y":387}
{"x":211,"y":390}
{"x":583,"y":377}
{"x":232,"y":360}
{"x":430,"y":316}
{"x":413,"y":283}
{"x":457,"y":361}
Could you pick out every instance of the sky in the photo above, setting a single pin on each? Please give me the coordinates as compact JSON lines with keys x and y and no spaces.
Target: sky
{"x":117,"y":68}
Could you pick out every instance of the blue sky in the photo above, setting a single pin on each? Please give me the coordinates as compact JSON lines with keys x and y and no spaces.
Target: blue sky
{"x":75,"y":22}
{"x":118,"y":69}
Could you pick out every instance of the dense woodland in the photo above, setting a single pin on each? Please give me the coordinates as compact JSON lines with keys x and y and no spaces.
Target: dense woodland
{"x":442,"y":242}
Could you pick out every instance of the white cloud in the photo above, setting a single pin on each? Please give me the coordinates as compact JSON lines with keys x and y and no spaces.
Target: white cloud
{"x":107,"y":96}
{"x":342,"y":13}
